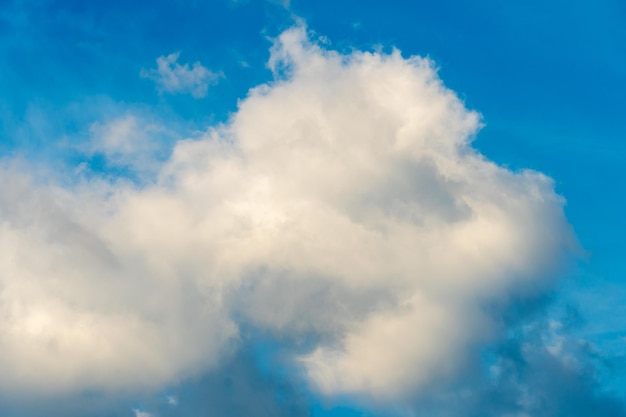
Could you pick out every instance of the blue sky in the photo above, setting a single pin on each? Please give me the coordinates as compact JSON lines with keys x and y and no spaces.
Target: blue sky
{"x":103,"y":131}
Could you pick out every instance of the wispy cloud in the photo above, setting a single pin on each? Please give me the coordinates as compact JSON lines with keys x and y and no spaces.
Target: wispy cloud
{"x":140,"y":413}
{"x":174,"y":78}
{"x":130,"y":141}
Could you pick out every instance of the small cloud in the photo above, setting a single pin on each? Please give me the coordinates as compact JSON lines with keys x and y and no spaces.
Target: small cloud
{"x":171,"y":400}
{"x":139,"y":413}
{"x":174,"y":78}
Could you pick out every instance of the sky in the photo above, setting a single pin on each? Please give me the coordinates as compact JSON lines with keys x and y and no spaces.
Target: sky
{"x":312,"y":208}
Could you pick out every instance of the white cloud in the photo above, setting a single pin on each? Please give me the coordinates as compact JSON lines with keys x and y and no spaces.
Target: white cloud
{"x":342,"y":201}
{"x":171,"y":77}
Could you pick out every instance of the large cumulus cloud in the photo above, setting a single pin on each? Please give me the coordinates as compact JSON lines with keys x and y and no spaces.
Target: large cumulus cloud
{"x":342,"y":203}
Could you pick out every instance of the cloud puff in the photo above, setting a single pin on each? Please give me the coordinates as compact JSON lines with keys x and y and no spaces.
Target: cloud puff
{"x":342,"y":203}
{"x":173,"y":78}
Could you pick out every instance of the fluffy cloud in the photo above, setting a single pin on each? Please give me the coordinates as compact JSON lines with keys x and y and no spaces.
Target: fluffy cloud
{"x":343,"y":203}
{"x":171,"y":77}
